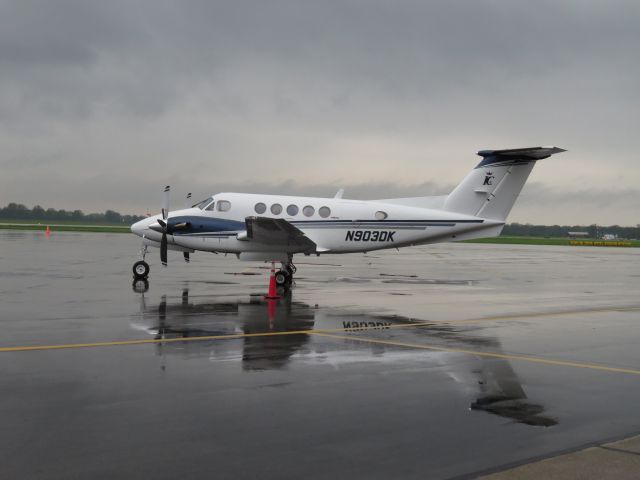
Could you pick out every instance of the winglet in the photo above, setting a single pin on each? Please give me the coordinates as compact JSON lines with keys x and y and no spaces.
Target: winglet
{"x":339,"y":193}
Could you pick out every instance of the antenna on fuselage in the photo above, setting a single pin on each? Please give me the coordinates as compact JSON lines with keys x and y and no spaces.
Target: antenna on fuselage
{"x":339,"y":193}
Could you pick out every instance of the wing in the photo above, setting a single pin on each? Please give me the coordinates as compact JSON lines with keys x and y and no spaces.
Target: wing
{"x":277,"y":232}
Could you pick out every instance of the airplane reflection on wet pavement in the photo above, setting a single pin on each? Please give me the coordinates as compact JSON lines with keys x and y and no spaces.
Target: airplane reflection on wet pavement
{"x":273,"y":332}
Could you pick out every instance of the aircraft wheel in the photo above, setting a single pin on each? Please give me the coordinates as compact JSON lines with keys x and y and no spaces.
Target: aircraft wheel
{"x":141,"y":269}
{"x":282,"y":278}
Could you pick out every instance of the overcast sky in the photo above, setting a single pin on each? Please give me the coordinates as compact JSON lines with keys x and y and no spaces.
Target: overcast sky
{"x":102,"y":103}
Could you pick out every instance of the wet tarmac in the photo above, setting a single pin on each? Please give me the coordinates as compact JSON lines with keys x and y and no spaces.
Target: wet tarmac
{"x":445,"y":361}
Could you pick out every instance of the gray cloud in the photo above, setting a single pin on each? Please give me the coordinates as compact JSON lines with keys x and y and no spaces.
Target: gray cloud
{"x":119,"y":98}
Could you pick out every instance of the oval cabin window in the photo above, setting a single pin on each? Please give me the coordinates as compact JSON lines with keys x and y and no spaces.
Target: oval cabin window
{"x":324,"y":212}
{"x":293,"y":210}
{"x":380,"y":215}
{"x":308,"y":211}
{"x":224,"y":205}
{"x":276,"y":209}
{"x":260,"y":208}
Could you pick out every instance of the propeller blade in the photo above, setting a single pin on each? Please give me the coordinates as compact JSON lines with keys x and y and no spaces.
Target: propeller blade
{"x":187,"y":202}
{"x":186,"y":257}
{"x":165,"y":203}
{"x":163,"y":224}
{"x":163,"y":250}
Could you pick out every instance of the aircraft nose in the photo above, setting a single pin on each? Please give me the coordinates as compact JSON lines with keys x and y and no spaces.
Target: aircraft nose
{"x":139,"y":227}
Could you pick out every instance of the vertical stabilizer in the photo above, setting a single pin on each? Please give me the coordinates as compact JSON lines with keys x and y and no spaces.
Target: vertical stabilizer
{"x":490,"y":189}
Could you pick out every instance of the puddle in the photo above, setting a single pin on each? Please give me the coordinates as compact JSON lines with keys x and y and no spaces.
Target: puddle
{"x":396,"y":275}
{"x":419,"y":281}
{"x":246,"y":317}
{"x":352,"y":280}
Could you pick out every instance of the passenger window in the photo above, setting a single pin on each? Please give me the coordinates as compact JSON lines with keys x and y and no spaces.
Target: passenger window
{"x":276,"y":209}
{"x":324,"y":212}
{"x":260,"y":208}
{"x":224,"y":205}
{"x":308,"y":211}
{"x":380,"y":215}
{"x":292,"y":210}
{"x":211,"y":206}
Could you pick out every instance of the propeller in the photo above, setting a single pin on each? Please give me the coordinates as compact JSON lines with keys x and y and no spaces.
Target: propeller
{"x":165,"y":203}
{"x":163,"y":249}
{"x":166,"y":228}
{"x":163,"y":224}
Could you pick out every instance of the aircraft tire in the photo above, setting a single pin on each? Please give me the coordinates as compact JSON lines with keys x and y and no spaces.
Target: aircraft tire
{"x":140,"y":269}
{"x":282,"y":278}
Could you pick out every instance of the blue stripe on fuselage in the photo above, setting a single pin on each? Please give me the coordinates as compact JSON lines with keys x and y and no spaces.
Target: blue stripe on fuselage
{"x":205,"y":225}
{"x":208,"y":225}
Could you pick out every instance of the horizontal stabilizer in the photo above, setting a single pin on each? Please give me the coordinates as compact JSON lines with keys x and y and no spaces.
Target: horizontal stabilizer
{"x":515,"y":156}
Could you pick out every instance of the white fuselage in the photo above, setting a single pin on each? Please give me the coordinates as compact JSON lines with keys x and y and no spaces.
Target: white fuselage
{"x":335,"y":225}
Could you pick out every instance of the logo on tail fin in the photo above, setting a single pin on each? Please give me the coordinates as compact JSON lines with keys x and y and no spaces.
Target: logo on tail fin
{"x":488,"y":179}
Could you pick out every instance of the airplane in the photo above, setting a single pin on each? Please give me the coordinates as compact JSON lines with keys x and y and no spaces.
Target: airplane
{"x":274,"y":228}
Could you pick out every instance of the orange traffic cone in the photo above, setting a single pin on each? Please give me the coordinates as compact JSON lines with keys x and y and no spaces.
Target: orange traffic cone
{"x":273,"y":289}
{"x":47,"y":232}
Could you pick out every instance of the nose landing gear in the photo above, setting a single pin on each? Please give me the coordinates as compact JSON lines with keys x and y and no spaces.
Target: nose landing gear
{"x":141,"y":268}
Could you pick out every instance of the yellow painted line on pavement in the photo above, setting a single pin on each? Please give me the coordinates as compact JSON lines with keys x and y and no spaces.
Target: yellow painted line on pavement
{"x":506,"y":356}
{"x":118,"y":343}
{"x":433,"y":323}
{"x":560,"y":313}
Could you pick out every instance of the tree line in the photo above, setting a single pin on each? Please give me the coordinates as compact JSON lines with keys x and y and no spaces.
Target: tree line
{"x":17,"y":211}
{"x":594,"y":231}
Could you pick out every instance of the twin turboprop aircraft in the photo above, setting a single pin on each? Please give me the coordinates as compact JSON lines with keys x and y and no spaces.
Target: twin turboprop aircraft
{"x":274,"y":228}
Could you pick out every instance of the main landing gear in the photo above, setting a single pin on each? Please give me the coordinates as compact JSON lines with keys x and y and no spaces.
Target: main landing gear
{"x":284,"y":276}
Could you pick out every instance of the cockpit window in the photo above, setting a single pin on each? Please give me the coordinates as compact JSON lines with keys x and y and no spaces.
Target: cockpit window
{"x":203,"y":203}
{"x":211,"y":206}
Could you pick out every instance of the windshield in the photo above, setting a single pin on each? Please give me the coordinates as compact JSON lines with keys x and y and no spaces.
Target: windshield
{"x":203,"y":203}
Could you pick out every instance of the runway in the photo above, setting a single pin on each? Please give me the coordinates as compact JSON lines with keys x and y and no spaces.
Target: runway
{"x":447,"y":361}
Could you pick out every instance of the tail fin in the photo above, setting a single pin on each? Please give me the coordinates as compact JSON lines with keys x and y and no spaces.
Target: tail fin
{"x":490,"y":189}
